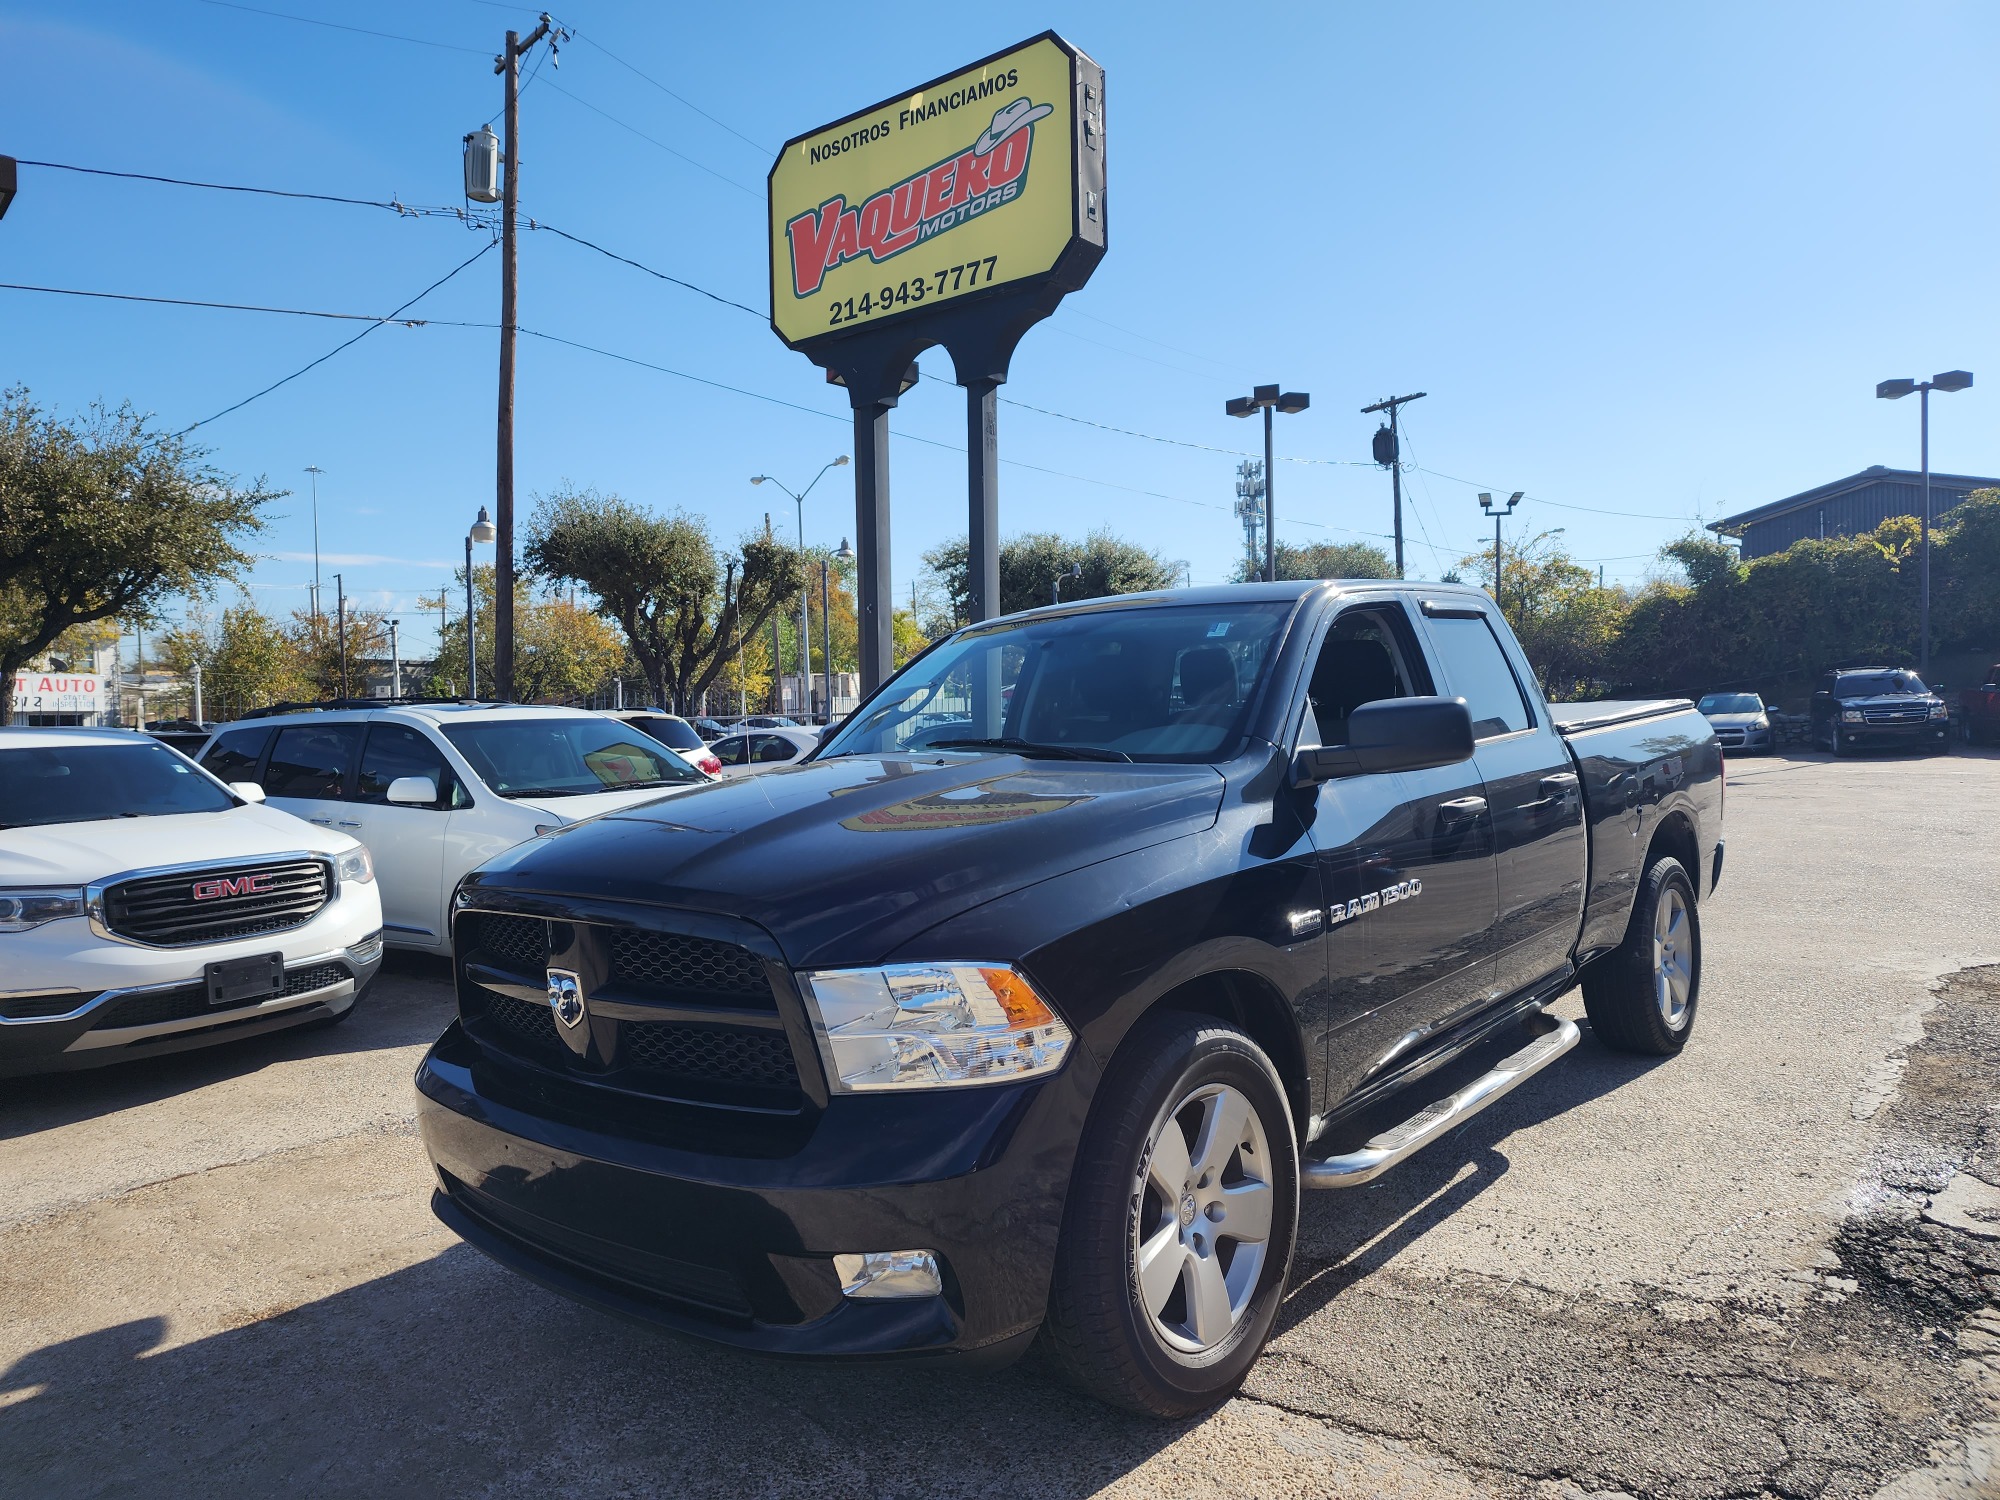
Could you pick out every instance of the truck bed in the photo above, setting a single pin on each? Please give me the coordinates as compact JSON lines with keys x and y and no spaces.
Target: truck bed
{"x":1577,"y":718}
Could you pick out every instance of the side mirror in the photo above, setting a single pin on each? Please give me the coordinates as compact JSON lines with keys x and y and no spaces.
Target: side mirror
{"x":249,"y":791}
{"x":1394,"y":734}
{"x":416,"y":791}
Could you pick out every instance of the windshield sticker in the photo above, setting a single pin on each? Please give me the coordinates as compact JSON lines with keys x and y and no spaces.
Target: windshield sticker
{"x":1220,"y":627}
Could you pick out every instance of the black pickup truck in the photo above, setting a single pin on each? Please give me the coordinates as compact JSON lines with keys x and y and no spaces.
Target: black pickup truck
{"x":1028,"y":1004}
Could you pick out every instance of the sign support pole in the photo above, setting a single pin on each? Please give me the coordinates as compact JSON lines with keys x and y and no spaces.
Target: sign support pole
{"x":982,"y":490}
{"x":873,"y":606}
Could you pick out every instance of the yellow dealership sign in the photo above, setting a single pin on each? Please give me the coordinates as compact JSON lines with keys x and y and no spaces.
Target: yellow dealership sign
{"x":988,"y":179}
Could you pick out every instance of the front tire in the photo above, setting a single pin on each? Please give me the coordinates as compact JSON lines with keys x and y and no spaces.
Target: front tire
{"x":1642,"y":996}
{"x":1181,"y":1222}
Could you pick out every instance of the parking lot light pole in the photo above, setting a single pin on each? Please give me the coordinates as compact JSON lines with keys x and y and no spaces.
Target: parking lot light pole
{"x":1075,"y":570}
{"x":1486,"y":504}
{"x":482,"y":532}
{"x":805,"y":594}
{"x":315,"y":470}
{"x":1895,"y":390}
{"x":1265,"y":398}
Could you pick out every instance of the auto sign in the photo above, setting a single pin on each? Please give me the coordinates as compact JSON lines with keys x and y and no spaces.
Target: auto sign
{"x":987,"y":178}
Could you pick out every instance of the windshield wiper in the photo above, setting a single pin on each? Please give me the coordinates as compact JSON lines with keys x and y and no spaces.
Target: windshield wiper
{"x":1032,"y":748}
{"x":545,"y":791}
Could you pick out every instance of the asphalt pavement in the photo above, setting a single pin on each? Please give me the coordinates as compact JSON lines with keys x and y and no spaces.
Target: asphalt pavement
{"x":1770,"y":1266}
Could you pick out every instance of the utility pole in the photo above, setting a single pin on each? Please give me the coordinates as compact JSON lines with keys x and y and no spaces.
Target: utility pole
{"x":197,"y":693}
{"x":508,"y":65}
{"x":395,"y":663}
{"x":340,"y":628}
{"x":1388,"y":453}
{"x":315,"y":470}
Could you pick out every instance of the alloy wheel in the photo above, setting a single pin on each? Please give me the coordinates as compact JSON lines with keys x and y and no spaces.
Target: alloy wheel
{"x":1204,"y":1223}
{"x":1673,"y":957}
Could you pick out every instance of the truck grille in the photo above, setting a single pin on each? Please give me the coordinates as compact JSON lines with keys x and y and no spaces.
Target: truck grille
{"x":718,"y":1039}
{"x":218,"y":903}
{"x":1915,"y":715}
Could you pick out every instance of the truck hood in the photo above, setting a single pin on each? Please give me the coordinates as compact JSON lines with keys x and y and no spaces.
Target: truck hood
{"x":595,"y":804}
{"x":1891,"y":700}
{"x":843,"y":860}
{"x":78,"y":853}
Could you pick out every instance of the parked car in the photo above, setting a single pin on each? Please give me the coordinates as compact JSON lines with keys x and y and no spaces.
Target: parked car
{"x":434,"y":790}
{"x":1858,"y":707}
{"x":750,"y":751}
{"x":769,"y":721}
{"x":677,"y":734}
{"x":1037,"y":1032}
{"x":185,"y":735}
{"x":1740,"y":721}
{"x":146,"y":907}
{"x":1979,"y":710}
{"x":710,"y":730}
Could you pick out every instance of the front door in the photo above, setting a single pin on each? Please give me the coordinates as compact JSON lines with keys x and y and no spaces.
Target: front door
{"x":1407,"y":861}
{"x":308,"y":772}
{"x":406,"y":841}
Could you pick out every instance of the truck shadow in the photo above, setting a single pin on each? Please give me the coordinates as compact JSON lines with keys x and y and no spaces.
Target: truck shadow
{"x":1347,"y":1234}
{"x":453,"y":1377}
{"x":410,"y":1004}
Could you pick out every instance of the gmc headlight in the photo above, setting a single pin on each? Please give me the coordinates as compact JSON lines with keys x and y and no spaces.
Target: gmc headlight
{"x":920,"y":1026}
{"x":1850,"y":716}
{"x":20,"y":910}
{"x":354,"y":867}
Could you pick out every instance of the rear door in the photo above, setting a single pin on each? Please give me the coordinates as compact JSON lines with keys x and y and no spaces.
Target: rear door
{"x":1534,"y":800}
{"x":406,"y":841}
{"x":1406,"y":859}
{"x":237,"y":754}
{"x":309,"y":768}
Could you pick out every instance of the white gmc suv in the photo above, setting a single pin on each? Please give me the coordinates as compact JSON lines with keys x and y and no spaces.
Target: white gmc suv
{"x":147,"y":907}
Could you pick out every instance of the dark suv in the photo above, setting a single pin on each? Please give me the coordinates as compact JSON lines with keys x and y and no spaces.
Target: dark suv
{"x":1863,"y":706}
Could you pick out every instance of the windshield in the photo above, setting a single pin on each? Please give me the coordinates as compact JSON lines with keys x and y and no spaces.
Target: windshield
{"x":1879,"y":684}
{"x":83,"y":783}
{"x":675,"y":734}
{"x":567,"y":757}
{"x":1731,"y":703}
{"x":1153,"y":683}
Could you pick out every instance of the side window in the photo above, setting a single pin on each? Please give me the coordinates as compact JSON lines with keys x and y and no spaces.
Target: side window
{"x":768,"y":749}
{"x":312,"y":760}
{"x":234,"y":755}
{"x":730,"y":751}
{"x":1367,"y":656}
{"x":1476,"y":670}
{"x":396,"y":750}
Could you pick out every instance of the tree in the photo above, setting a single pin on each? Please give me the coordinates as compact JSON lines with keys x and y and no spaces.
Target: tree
{"x":685,"y":609}
{"x":248,"y":660}
{"x":316,"y":640}
{"x":908,"y":637}
{"x":1566,"y":624}
{"x":105,"y":519}
{"x":1030,"y":565}
{"x":1323,"y":560}
{"x":562,"y":652}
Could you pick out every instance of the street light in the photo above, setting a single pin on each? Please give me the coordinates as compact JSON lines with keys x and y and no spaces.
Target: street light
{"x":1075,"y":571}
{"x":1896,"y":390}
{"x":844,"y":556}
{"x":483,"y":533}
{"x":805,"y":617}
{"x":1265,"y":398}
{"x":1486,"y":504}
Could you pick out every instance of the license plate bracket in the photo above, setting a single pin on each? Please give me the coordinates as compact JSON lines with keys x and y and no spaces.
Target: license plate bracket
{"x":231,"y":981}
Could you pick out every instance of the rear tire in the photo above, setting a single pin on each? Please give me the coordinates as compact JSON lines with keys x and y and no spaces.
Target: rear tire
{"x":1642,"y":996}
{"x":1155,"y":1305}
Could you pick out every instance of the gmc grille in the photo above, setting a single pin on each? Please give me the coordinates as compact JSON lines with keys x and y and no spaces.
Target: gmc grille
{"x":164,"y":911}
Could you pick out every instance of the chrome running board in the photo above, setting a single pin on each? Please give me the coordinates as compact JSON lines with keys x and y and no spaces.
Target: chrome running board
{"x":1404,"y":1140}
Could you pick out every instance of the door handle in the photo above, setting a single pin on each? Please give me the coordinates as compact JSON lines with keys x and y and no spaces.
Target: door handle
{"x":1559,"y":785}
{"x":1460,"y":808}
{"x":346,"y":823}
{"x":323,"y":822}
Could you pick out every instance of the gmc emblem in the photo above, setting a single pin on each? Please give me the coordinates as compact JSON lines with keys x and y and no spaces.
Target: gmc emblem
{"x":231,"y":885}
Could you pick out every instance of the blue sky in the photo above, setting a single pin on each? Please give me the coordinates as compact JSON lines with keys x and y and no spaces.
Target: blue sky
{"x":1648,"y":262}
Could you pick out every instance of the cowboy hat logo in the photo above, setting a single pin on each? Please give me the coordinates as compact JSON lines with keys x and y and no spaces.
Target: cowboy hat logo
{"x":988,"y":174}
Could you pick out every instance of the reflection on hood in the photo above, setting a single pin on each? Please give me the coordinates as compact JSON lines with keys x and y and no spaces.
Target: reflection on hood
{"x":973,"y":806}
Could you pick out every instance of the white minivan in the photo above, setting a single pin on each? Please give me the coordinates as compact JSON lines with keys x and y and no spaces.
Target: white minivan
{"x":434,"y":790}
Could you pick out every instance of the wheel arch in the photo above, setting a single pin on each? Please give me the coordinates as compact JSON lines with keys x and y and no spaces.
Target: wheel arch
{"x":1253,"y":1005}
{"x":1676,"y":836}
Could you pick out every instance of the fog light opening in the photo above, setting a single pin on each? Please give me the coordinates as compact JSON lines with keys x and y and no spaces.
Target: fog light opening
{"x":889,"y":1274}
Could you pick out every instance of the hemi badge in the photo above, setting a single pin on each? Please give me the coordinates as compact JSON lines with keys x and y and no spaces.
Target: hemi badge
{"x":1306,"y":923}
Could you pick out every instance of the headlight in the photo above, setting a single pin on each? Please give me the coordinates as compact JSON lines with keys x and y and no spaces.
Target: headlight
{"x":354,"y":867}
{"x":20,"y":910}
{"x":918,"y":1026}
{"x":1939,"y":711}
{"x":1850,"y":715}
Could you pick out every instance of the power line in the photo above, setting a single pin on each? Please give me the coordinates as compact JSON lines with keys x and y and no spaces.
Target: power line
{"x":681,"y":155}
{"x":1630,"y":515}
{"x":387,"y":36}
{"x":337,"y":348}
{"x":294,"y":312}
{"x":678,"y":99}
{"x":1161,"y":344}
{"x":577,"y":239}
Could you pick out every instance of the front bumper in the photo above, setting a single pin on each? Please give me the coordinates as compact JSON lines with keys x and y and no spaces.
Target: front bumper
{"x":723,"y":1224}
{"x":1916,"y":732}
{"x":79,"y":1001}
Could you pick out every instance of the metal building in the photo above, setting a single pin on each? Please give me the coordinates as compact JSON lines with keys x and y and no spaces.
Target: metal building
{"x":1846,"y":507}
